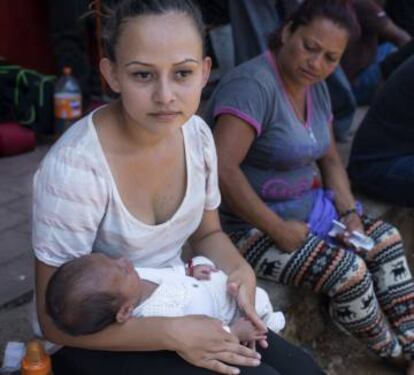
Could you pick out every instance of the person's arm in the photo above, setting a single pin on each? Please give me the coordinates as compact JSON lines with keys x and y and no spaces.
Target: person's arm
{"x":393,"y":33}
{"x":335,"y":178}
{"x":234,"y":138}
{"x":204,"y":344}
{"x":210,"y":241}
{"x":374,"y":19}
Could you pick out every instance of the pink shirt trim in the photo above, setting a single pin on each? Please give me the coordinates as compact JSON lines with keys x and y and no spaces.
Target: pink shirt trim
{"x":243,"y":116}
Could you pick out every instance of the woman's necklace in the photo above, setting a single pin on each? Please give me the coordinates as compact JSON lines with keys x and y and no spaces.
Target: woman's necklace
{"x":302,"y":114}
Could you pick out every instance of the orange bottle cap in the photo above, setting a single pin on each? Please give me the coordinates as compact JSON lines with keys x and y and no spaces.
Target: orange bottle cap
{"x":36,"y":361}
{"x":67,"y":70}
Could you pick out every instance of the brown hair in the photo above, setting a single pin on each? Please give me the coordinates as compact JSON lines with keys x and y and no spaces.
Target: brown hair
{"x":127,"y":9}
{"x":340,"y":12}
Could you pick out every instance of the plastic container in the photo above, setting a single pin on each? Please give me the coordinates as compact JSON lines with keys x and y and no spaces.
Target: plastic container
{"x":67,"y":101}
{"x":36,"y":361}
{"x":357,"y":239}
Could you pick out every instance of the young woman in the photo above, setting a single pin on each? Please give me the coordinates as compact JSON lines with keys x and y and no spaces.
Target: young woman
{"x":140,"y":175}
{"x":273,"y":129}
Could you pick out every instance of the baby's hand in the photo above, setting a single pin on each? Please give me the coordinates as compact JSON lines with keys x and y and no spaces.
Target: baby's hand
{"x":203,"y":271}
{"x":246,"y":332}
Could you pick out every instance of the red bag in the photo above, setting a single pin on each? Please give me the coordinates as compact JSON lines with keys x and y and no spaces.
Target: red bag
{"x":15,"y":139}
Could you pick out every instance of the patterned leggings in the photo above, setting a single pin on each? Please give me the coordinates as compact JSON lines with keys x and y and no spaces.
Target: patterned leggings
{"x":371,"y":293}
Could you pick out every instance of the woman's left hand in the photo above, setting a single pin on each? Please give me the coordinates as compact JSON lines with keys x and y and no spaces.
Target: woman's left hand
{"x":353,"y":222}
{"x":241,"y":285}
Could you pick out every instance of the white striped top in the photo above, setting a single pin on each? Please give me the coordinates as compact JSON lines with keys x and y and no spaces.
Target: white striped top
{"x":78,"y":209}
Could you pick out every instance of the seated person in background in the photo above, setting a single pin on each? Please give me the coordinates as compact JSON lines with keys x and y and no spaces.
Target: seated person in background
{"x":363,"y":55}
{"x":91,"y":292}
{"x":253,"y":21}
{"x":382,"y":156}
{"x":283,"y":183}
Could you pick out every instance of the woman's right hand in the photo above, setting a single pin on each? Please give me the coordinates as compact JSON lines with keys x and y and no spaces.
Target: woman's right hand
{"x":203,"y":342}
{"x":291,"y":235}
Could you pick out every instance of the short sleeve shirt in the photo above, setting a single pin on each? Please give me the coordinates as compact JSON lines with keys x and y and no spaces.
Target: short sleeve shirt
{"x":78,"y":209}
{"x":280,"y":163}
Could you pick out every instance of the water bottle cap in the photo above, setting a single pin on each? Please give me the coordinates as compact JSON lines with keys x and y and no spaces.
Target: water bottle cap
{"x":36,"y":361}
{"x":67,"y":70}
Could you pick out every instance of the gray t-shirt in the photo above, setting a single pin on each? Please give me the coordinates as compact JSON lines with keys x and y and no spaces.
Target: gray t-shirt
{"x":280,"y":165}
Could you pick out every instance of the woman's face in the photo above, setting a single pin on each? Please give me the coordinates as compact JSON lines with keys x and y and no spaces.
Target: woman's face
{"x":159,"y":70}
{"x":312,"y":52}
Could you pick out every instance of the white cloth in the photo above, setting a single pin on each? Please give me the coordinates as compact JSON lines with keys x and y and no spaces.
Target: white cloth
{"x":77,"y":207}
{"x":180,"y":295}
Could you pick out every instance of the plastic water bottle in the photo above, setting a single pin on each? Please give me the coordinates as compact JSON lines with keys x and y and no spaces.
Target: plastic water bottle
{"x":67,"y":101}
{"x":36,"y":361}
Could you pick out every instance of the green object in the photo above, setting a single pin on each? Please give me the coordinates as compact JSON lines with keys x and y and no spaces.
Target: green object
{"x":26,"y":96}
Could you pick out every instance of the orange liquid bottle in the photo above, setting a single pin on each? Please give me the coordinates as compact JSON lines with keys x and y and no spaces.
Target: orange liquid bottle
{"x":36,"y":361}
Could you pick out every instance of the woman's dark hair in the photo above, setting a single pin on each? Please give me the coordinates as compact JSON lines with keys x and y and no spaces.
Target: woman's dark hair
{"x":340,"y":12}
{"x":127,"y":9}
{"x":75,"y":307}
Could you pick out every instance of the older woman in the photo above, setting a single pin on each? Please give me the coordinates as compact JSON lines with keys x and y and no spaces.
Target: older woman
{"x":273,"y":129}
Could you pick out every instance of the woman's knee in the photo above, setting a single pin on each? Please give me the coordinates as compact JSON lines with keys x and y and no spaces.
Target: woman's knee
{"x":386,"y":236}
{"x":380,"y":230}
{"x":391,"y":231}
{"x":354,"y":272}
{"x":288,"y":358}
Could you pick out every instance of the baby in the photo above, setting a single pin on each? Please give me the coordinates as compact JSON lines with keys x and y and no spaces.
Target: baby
{"x":91,"y":292}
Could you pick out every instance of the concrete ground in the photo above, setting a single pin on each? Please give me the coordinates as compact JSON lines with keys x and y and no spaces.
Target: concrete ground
{"x":339,"y":354}
{"x":16,"y":259}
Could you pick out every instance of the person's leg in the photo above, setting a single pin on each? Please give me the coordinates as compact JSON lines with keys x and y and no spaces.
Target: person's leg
{"x":251,"y":22}
{"x":287,"y":358}
{"x":338,"y":273}
{"x":343,"y":103}
{"x":70,"y":361}
{"x":391,"y":181}
{"x":393,"y":282}
{"x":91,"y":362}
{"x":366,"y":83}
{"x":395,"y":59}
{"x":215,"y":12}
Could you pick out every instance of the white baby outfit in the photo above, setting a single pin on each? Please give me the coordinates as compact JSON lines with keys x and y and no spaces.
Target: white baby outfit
{"x":179,"y":295}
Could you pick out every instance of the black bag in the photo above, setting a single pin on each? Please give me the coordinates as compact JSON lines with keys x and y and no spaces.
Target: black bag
{"x":26,"y":96}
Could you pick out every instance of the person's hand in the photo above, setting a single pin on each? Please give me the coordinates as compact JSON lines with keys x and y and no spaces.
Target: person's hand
{"x":352,"y":222}
{"x":291,"y":235}
{"x":203,"y":271}
{"x":206,"y":344}
{"x":246,"y":332}
{"x":241,"y":284}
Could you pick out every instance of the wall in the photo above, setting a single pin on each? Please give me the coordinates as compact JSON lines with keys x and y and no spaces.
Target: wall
{"x":24,"y":37}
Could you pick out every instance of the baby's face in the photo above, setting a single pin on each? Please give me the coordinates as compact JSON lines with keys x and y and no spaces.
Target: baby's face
{"x":120,"y":277}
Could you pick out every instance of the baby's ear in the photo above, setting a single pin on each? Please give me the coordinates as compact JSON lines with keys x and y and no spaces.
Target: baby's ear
{"x":124,"y":313}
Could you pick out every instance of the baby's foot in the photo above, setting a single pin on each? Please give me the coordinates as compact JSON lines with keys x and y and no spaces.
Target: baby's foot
{"x":276,"y":321}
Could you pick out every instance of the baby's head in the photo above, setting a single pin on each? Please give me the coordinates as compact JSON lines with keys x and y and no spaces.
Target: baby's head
{"x":91,"y":292}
